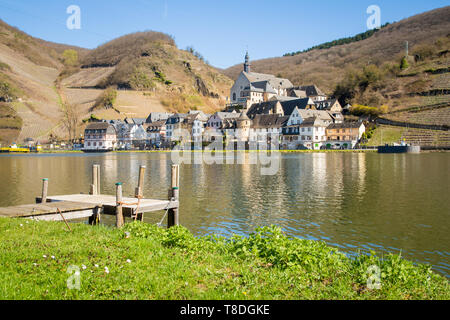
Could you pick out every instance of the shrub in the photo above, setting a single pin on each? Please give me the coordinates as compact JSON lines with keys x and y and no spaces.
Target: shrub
{"x":7,"y":92}
{"x":70,"y":57}
{"x":139,"y":80}
{"x":107,"y":99}
{"x":4,"y":67}
{"x":404,"y":64}
{"x":360,"y":110}
{"x":423,"y":52}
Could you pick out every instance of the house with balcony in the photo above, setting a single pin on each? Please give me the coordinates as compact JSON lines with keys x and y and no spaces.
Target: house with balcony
{"x":344,"y":135}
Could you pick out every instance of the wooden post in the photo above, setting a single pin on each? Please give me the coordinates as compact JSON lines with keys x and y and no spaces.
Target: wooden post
{"x":119,"y":212}
{"x":44,"y":190}
{"x":94,"y":185}
{"x":140,"y":188}
{"x":174,"y":192}
{"x":95,"y":219}
{"x":98,"y":179}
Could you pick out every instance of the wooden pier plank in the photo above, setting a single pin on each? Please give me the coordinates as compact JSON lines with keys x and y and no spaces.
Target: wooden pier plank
{"x":109,"y":203}
{"x":74,"y":215}
{"x":30,"y":210}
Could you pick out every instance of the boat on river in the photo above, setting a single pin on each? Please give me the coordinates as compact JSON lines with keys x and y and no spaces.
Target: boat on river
{"x":399,"y":148}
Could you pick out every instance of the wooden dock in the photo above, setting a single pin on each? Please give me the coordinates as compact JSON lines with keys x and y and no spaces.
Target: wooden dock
{"x":51,"y":211}
{"x":93,"y":205}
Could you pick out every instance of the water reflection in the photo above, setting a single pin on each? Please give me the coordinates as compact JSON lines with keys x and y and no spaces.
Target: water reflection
{"x":387,"y":203}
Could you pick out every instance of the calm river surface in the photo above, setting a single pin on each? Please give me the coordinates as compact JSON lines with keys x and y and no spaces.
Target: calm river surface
{"x":387,"y":203}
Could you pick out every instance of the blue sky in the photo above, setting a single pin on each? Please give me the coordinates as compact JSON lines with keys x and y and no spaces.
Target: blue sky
{"x":221,"y":30}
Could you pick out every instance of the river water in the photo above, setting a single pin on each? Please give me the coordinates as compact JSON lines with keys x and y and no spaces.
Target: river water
{"x":353,"y":201}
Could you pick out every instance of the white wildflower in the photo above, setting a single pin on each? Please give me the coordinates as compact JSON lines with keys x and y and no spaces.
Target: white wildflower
{"x":44,"y":256}
{"x":83,"y":267}
{"x":96,"y":265}
{"x":53,"y":257}
{"x":106,"y":270}
{"x":128,"y":260}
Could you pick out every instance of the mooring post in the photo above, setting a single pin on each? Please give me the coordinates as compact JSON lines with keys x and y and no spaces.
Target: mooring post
{"x":98,"y":179}
{"x":174,"y":194}
{"x":44,"y":190}
{"x":119,"y":212}
{"x":94,"y":185}
{"x":140,"y":188}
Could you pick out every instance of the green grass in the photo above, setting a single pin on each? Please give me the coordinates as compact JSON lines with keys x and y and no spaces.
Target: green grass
{"x":156,"y":263}
{"x":386,"y":134}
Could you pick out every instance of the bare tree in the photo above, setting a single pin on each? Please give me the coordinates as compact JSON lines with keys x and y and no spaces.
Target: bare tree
{"x":71,"y":119}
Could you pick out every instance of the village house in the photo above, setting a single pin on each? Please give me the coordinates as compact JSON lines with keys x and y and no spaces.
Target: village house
{"x":344,"y":135}
{"x":100,"y":136}
{"x":138,"y":135}
{"x":156,"y":132}
{"x":157,"y":117}
{"x":299,"y":115}
{"x":333,"y":107}
{"x":265,"y":126}
{"x":174,"y":123}
{"x":310,"y":91}
{"x":195,"y":123}
{"x":283,"y":107}
{"x":237,"y":129}
{"x":310,"y":134}
{"x":123,"y":134}
{"x":217,"y":119}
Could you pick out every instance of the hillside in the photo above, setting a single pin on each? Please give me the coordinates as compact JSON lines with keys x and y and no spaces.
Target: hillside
{"x":150,"y":74}
{"x":370,"y":68}
{"x":50,"y":86}
{"x":28,"y":69}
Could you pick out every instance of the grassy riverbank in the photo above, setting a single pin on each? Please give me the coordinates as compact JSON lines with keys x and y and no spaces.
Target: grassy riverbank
{"x":154,"y":263}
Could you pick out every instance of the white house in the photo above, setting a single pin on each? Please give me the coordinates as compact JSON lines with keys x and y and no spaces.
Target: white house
{"x":100,"y":136}
{"x":299,"y":115}
{"x":195,"y":123}
{"x":123,"y":135}
{"x":265,"y":126}
{"x":309,"y":134}
{"x":138,"y":134}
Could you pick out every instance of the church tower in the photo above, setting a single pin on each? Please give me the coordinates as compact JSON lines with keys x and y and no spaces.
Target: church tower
{"x":247,"y":63}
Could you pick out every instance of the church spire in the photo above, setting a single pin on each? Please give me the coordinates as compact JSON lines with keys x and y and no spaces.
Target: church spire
{"x":247,"y":63}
